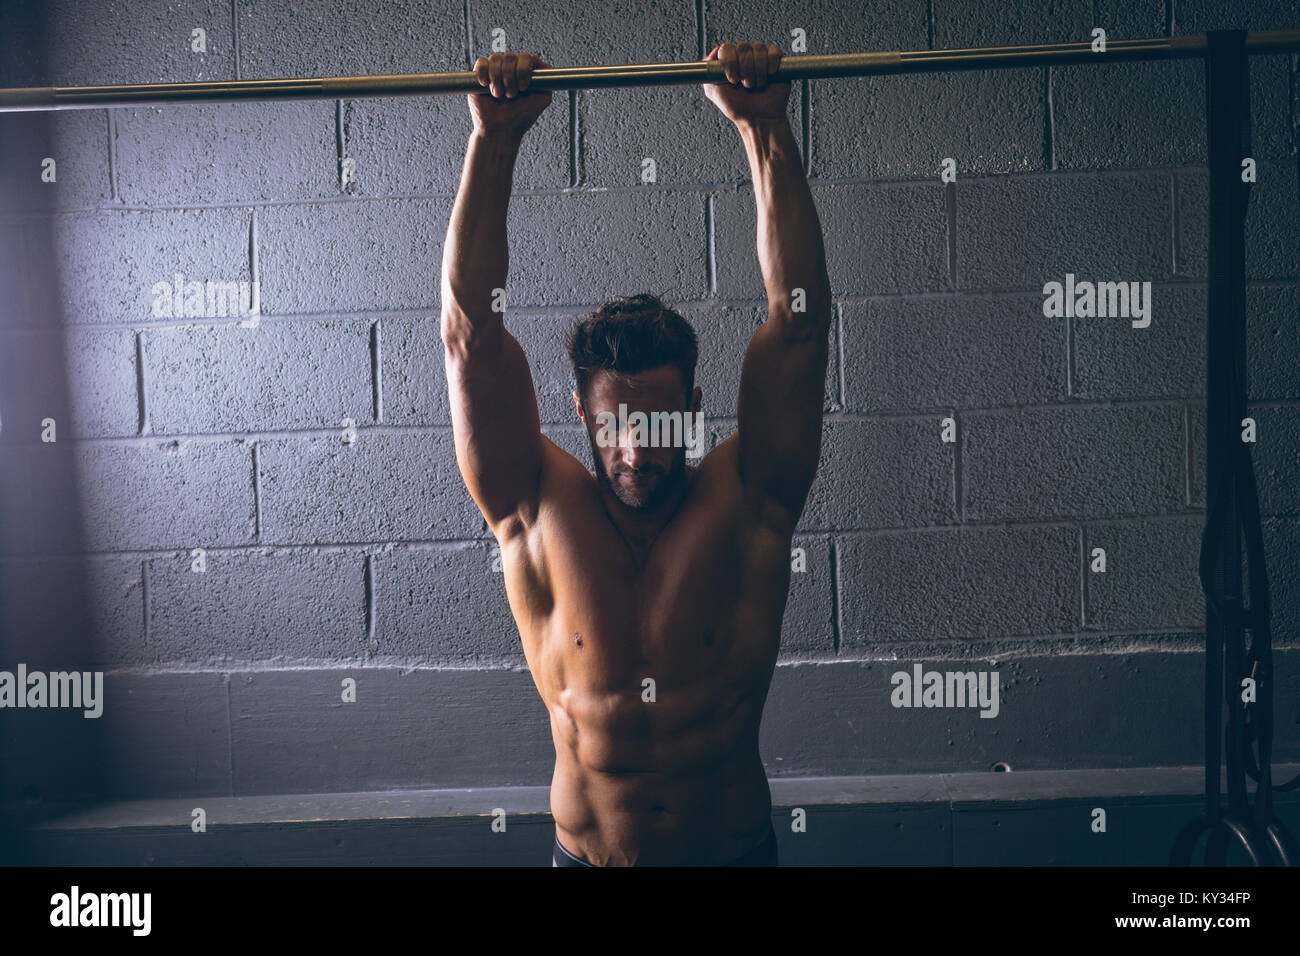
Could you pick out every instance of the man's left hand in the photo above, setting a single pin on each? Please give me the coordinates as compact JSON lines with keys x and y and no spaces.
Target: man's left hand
{"x":750,"y":97}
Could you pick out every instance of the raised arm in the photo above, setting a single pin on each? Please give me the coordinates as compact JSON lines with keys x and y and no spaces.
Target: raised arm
{"x":782,"y":381}
{"x":493,"y":405}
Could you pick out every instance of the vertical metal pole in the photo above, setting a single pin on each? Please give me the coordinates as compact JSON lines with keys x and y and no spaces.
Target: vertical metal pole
{"x":1227,"y":86}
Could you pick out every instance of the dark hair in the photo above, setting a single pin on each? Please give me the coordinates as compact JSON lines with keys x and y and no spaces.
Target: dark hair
{"x":629,"y":335}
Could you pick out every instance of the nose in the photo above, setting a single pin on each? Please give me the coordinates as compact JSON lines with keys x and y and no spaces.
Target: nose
{"x":636,"y":456}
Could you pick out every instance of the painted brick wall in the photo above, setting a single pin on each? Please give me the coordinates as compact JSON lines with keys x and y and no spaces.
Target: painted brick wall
{"x":327,"y":559}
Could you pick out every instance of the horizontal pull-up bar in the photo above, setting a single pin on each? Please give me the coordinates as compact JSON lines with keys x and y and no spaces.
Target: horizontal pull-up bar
{"x":644,"y":74}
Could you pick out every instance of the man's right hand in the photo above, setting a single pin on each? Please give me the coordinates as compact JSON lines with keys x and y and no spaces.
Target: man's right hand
{"x":509,"y":108}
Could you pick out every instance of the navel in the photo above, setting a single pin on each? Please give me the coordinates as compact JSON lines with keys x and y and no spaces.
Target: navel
{"x":577,"y":638}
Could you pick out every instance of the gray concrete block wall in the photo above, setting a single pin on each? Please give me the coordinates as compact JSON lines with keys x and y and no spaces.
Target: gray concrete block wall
{"x":227,"y":435}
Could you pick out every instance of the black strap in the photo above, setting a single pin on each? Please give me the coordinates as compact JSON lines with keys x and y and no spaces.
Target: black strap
{"x":1230,"y":477}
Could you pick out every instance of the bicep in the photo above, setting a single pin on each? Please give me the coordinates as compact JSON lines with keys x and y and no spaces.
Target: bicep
{"x":495,"y":421}
{"x":782,"y":393}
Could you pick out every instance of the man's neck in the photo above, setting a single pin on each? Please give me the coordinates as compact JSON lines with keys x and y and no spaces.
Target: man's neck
{"x":641,"y":528}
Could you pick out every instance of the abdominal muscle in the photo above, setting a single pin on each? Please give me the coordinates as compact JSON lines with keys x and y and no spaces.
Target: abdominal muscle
{"x":626,"y":794}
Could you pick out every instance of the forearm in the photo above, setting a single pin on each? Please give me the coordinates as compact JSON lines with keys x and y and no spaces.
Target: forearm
{"x":475,"y":256}
{"x":790,"y":250}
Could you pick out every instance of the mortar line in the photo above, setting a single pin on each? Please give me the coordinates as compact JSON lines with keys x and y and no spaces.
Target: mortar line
{"x":142,"y":409}
{"x":234,"y":33}
{"x":837,"y":622}
{"x":958,"y":489}
{"x":950,"y":217}
{"x":701,"y":33}
{"x":575,"y":142}
{"x":805,"y":125}
{"x":1049,"y":126}
{"x":340,"y":142}
{"x":469,"y":36}
{"x":368,"y":574}
{"x":376,"y":382}
{"x":1175,"y":247}
{"x":842,"y":398}
{"x":1069,"y":356}
{"x":1083,"y":577}
{"x":257,"y":496}
{"x":711,"y":256}
{"x":113,"y":193}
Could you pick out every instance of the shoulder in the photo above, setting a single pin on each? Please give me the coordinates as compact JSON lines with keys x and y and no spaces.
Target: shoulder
{"x":721,"y":474}
{"x":563,"y":478}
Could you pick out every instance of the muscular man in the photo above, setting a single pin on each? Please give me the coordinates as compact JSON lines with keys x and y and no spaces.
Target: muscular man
{"x":648,"y":594}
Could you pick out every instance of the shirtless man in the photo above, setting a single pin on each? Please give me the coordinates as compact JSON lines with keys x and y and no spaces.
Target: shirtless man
{"x":645,"y":569}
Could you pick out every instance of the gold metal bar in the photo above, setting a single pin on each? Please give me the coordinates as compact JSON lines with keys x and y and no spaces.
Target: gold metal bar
{"x":643,"y":74}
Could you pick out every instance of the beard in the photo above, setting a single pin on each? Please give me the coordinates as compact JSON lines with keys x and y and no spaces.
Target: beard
{"x":658,"y":486}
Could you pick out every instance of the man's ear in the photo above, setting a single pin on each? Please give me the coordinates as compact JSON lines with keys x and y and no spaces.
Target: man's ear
{"x":696,"y":398}
{"x":577,"y":403}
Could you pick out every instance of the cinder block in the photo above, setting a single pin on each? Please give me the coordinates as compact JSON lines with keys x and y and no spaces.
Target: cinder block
{"x":106,"y":264}
{"x":957,"y":584}
{"x":85,"y":381}
{"x":443,"y":606}
{"x":278,"y":375}
{"x":190,"y":154}
{"x":1276,"y":456}
{"x":584,"y":248}
{"x":1197,"y":16}
{"x":1272,"y":231}
{"x":1129,"y":115}
{"x":573,"y":439}
{"x":808,"y":629}
{"x":412,"y":376}
{"x":1072,"y":462}
{"x":260,"y":605}
{"x":723,"y":335}
{"x":351,"y":256}
{"x":1020,"y":232}
{"x":291,"y":733}
{"x":966,"y":350}
{"x":383,"y":487}
{"x":1194,"y":415}
{"x":20,"y":44}
{"x":141,"y":42}
{"x":883,"y":473}
{"x":574,"y":33}
{"x":77,"y":141}
{"x":618,"y":137}
{"x":281,"y":38}
{"x":72,"y":611}
{"x":1128,"y":20}
{"x":407,"y":146}
{"x":828,"y":28}
{"x":1281,"y":550}
{"x":1151,"y":578}
{"x":900,"y":239}
{"x":1272,"y":349}
{"x":898,"y":127}
{"x":415,"y":379}
{"x":959,"y":25}
{"x":1115,"y":360}
{"x":183,"y":494}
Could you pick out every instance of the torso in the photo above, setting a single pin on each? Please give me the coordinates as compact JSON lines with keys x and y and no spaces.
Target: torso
{"x":697,"y":611}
